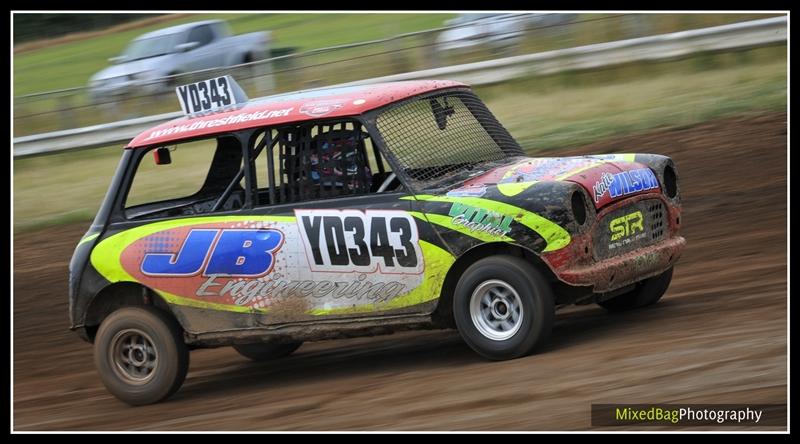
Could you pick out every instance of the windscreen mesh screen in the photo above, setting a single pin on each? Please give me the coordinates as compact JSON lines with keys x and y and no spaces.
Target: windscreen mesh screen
{"x":437,"y":136}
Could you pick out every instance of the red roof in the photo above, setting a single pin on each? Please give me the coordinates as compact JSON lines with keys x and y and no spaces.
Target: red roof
{"x":292,"y":107}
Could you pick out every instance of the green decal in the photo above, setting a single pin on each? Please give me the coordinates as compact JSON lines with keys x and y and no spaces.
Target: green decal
{"x":88,"y":238}
{"x":480,"y":219}
{"x":627,"y":157}
{"x":514,"y":188}
{"x":555,"y":236}
{"x":447,"y":222}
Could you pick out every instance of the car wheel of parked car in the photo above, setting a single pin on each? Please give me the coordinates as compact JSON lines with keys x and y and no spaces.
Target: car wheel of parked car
{"x":646,"y":293}
{"x":140,"y":354}
{"x":503,"y":307}
{"x":266,"y":352}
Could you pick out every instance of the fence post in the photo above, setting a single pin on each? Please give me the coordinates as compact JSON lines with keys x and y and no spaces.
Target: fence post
{"x":20,"y":109}
{"x":429,"y":53}
{"x":263,"y":78}
{"x":262,"y":70}
{"x":67,"y":115}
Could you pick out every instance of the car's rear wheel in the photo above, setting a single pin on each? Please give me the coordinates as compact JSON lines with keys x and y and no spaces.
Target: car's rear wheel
{"x":267,"y":352}
{"x":503,"y":307}
{"x":646,"y":293}
{"x":140,"y":355}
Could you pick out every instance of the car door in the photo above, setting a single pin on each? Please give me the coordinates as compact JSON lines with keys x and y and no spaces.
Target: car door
{"x":347,"y":250}
{"x":205,"y":55}
{"x":176,"y":229}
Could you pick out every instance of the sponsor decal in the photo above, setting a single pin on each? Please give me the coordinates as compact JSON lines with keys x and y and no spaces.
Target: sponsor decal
{"x":340,"y":241}
{"x":249,"y":292}
{"x":468,"y":191}
{"x":229,"y":120}
{"x":524,"y":175}
{"x":548,"y":169}
{"x":555,"y":235}
{"x":600,"y":187}
{"x":625,"y":183}
{"x":626,"y":225}
{"x":226,"y":252}
{"x":480,"y":219}
{"x":627,"y":157}
{"x":321,"y":108}
{"x":253,"y":264}
{"x":626,"y":229}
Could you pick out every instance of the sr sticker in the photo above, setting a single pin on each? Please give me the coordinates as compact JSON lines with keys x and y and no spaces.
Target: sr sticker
{"x":381,"y":241}
{"x":627,"y":225}
{"x":626,"y":229}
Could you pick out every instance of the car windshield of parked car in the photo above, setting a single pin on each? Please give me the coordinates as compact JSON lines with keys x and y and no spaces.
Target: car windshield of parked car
{"x":151,"y":47}
{"x":442,"y":139}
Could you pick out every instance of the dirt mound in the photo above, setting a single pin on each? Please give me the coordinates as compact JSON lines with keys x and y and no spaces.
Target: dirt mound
{"x":718,"y":336}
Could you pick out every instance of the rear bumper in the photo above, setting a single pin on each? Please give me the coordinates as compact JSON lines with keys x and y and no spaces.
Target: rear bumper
{"x":619,"y":271}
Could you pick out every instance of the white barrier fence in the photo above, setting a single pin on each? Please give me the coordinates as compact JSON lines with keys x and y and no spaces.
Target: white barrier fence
{"x":659,"y":47}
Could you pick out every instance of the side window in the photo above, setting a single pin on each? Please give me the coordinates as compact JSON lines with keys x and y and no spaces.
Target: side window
{"x":317,"y":161}
{"x":201,"y":34}
{"x":201,"y":177}
{"x":221,"y":29}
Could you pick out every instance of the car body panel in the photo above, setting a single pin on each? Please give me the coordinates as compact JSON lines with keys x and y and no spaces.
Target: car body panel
{"x":367,"y":263}
{"x":606,"y":177}
{"x":295,"y":107}
{"x":129,"y":256}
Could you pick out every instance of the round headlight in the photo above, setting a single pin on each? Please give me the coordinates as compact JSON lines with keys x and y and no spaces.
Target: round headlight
{"x":579,"y":207}
{"x":670,"y":181}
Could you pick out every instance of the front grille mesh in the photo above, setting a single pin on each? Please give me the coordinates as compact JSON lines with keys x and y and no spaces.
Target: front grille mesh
{"x":655,"y":210}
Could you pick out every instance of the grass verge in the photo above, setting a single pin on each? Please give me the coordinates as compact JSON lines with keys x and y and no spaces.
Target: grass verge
{"x":543,"y":114}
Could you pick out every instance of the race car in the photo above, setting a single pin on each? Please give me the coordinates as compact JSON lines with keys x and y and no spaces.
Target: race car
{"x":355,"y":211}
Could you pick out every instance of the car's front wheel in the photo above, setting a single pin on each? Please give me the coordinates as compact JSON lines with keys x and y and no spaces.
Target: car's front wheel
{"x":503,"y":307}
{"x":140,"y":355}
{"x":646,"y":293}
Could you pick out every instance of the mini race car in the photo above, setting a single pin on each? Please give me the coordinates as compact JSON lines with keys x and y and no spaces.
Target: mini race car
{"x":355,"y":211}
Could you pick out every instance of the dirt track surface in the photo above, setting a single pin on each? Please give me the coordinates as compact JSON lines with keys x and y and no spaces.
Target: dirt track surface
{"x":718,"y":336}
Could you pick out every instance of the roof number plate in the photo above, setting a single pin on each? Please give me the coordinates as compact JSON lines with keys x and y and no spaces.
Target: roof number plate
{"x":212,"y":95}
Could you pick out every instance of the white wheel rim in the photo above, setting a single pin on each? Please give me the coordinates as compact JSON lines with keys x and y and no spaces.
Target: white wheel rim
{"x":134,"y":357}
{"x":496,"y":310}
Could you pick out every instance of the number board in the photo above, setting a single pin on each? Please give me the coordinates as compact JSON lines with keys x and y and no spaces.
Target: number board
{"x":207,"y":96}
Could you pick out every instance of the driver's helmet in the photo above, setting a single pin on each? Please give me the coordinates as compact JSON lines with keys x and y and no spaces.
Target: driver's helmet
{"x":335,"y":161}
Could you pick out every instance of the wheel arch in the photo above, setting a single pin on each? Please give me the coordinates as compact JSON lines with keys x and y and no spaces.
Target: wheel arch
{"x":443,"y":314}
{"x":118,"y":295}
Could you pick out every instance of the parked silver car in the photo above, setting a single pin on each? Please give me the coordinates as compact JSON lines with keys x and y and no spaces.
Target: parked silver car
{"x":494,"y":30}
{"x":147,"y":63}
